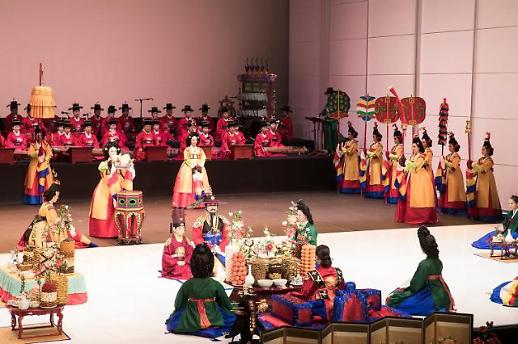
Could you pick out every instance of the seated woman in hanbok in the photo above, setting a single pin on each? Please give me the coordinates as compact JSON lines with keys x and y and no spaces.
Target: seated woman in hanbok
{"x":201,"y":307}
{"x":306,"y":232}
{"x":322,"y":284}
{"x":48,"y":228}
{"x":192,"y":182}
{"x":427,"y":291}
{"x":509,"y":230}
{"x":506,"y":293}
{"x":177,"y":254}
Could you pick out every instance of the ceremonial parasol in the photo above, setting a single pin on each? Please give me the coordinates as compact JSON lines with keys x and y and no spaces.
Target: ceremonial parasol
{"x":366,"y":110}
{"x":338,"y":104}
{"x":42,"y":100}
{"x":387,"y":112}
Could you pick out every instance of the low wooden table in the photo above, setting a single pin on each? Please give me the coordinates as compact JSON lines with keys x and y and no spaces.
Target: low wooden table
{"x":16,"y":312}
{"x":505,"y":249}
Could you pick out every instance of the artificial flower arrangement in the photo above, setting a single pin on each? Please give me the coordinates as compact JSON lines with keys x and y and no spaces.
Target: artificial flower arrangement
{"x":237,"y":227}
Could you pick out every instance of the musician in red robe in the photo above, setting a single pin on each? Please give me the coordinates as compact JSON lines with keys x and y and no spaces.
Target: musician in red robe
{"x":87,"y":137}
{"x":154,"y":111}
{"x":125,"y":122}
{"x":222,"y":124}
{"x":112,"y":134}
{"x":55,"y":138}
{"x":275,"y":136}
{"x":262,"y":140}
{"x":183,"y":122}
{"x":206,"y":139}
{"x":29,"y":123}
{"x":191,"y":128}
{"x":204,"y":117}
{"x":168,"y":122}
{"x":97,"y":120}
{"x":144,"y":139}
{"x":13,"y":115}
{"x":161,"y":137}
{"x":286,"y":123}
{"x":68,"y":138}
{"x":232,"y":137}
{"x":2,"y":141}
{"x":105,"y":123}
{"x":177,"y":254}
{"x":16,"y":139}
{"x":76,"y":121}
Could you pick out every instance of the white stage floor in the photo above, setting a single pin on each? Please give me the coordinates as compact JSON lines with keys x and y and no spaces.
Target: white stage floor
{"x":128,"y":303}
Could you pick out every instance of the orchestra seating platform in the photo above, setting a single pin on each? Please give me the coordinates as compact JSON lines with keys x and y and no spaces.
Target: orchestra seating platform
{"x":303,"y":173}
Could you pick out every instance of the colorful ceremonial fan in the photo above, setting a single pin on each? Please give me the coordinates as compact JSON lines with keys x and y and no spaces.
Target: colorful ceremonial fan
{"x":338,"y":104}
{"x":366,"y":107}
{"x":414,"y":111}
{"x":386,"y":110}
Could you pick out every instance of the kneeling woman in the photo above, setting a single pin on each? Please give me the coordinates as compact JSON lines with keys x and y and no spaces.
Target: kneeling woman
{"x":322,"y":284}
{"x":201,"y":307}
{"x":427,"y":292}
{"x":509,"y":226}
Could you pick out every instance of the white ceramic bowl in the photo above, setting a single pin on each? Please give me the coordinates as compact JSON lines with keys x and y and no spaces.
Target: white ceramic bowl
{"x":265,"y":283}
{"x":280,"y":282}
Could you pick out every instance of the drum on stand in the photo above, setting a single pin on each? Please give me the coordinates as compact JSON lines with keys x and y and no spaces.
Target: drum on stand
{"x":129,"y":217}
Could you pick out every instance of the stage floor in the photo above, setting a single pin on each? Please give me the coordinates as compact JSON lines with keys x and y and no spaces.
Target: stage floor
{"x":332,"y":212}
{"x":129,"y":303}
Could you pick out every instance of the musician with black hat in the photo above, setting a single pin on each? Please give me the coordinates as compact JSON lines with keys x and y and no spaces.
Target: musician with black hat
{"x":154,"y":111}
{"x":231,"y":138}
{"x":262,"y":141}
{"x":105,"y":126}
{"x":191,"y":128}
{"x":113,"y":134}
{"x":97,"y":120}
{"x":168,"y":121}
{"x":125,"y":122}
{"x":13,"y":115}
{"x":204,"y":117}
{"x":222,"y":124}
{"x":144,"y":139}
{"x":286,"y":123}
{"x":16,"y":139}
{"x":68,"y":138}
{"x":55,"y":138}
{"x":76,"y":121}
{"x":29,"y":124}
{"x":182,"y":123}
{"x":206,"y":139}
{"x":87,"y":137}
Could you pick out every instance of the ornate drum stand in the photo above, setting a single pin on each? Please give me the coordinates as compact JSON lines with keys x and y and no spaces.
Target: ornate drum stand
{"x":129,"y":217}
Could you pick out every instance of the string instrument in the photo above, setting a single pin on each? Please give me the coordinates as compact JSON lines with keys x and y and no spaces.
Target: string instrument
{"x":287,"y":150}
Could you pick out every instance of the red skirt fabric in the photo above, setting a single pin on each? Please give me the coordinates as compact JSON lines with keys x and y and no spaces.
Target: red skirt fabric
{"x":414,"y":216}
{"x":450,"y":207}
{"x":104,"y":228}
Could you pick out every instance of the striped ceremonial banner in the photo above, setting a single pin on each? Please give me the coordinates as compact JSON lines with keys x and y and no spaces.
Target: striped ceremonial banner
{"x":366,"y":107}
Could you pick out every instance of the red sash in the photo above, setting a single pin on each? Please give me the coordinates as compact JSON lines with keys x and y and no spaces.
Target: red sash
{"x":204,"y":320}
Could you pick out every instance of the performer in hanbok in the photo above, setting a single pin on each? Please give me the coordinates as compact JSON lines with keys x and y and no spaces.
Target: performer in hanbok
{"x":87,"y":137}
{"x":286,"y":123}
{"x":508,"y":230}
{"x":375,"y":187}
{"x":506,"y":293}
{"x":76,"y":121}
{"x":322,"y":284}
{"x":115,"y":177}
{"x":417,"y":204}
{"x":97,"y":120}
{"x":202,"y":306}
{"x":206,"y":139}
{"x":126,"y":123}
{"x":204,"y":117}
{"x":184,"y":121}
{"x":427,"y":291}
{"x":144,"y":139}
{"x":47,"y":226}
{"x":168,"y":123}
{"x":68,"y":138}
{"x":452,"y":199}
{"x":212,"y":229}
{"x":306,"y":231}
{"x":12,"y":116}
{"x":192,"y":182}
{"x":349,"y":179}
{"x":231,"y":138}
{"x":222,"y":124}
{"x":394,"y":156}
{"x":16,"y":139}
{"x":487,"y":203}
{"x":114,"y":135}
{"x":177,"y":253}
{"x":428,"y":153}
{"x":39,"y":176}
